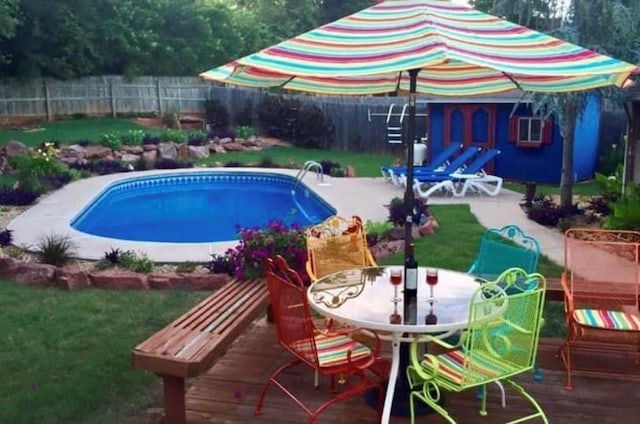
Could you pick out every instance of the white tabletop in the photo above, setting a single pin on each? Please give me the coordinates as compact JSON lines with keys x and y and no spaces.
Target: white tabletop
{"x":363,"y":298}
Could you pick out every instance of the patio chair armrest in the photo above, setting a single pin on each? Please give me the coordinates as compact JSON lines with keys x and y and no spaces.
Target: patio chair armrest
{"x":309,"y":269}
{"x":568,"y":295}
{"x":417,"y":365}
{"x":473,"y":267}
{"x":440,"y":342}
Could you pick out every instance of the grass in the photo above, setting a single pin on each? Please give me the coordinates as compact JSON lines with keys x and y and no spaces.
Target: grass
{"x":365,"y":164}
{"x":66,"y":356}
{"x":586,"y":188}
{"x":71,"y":131}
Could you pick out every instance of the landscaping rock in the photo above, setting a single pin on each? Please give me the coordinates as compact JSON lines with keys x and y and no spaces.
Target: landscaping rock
{"x":8,"y":267}
{"x":72,"y":278}
{"x":74,"y":153}
{"x":225,"y":140}
{"x":134,"y":150}
{"x":167,"y":151}
{"x":149,"y":147}
{"x":97,"y":152}
{"x":197,"y":152}
{"x":429,"y":227}
{"x":117,"y":279}
{"x":150,"y":155}
{"x":385,"y":249}
{"x":191,"y":281}
{"x":216,"y":148}
{"x":128,"y":157}
{"x":15,"y":148}
{"x":350,"y":171}
{"x":32,"y":273}
{"x":233,"y":147}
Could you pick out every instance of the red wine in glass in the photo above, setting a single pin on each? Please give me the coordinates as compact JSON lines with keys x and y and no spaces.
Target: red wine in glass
{"x":395,"y":277}
{"x":432,"y":279}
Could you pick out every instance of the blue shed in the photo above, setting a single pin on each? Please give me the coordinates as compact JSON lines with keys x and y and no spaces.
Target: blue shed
{"x":531,"y":150}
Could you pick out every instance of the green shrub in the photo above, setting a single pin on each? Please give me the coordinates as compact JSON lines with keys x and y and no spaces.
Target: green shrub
{"x":33,"y":169}
{"x":54,"y":249}
{"x":177,"y":136}
{"x":186,"y":267}
{"x":611,"y":159}
{"x":133,"y":138}
{"x":112,"y":140}
{"x":245,"y":132}
{"x":611,"y":185}
{"x":379,"y":229}
{"x":171,"y":120}
{"x":625,"y":212}
{"x":137,"y":262}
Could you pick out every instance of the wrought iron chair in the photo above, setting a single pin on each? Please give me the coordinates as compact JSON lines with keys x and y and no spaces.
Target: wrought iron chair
{"x":330,"y":353}
{"x":500,"y":342}
{"x":601,"y":284}
{"x":504,"y":248}
{"x":337,"y":244}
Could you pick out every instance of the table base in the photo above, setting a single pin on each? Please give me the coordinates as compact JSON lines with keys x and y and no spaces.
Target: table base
{"x":400,"y":406}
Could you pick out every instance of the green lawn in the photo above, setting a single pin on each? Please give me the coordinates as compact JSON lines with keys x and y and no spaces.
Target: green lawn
{"x":365,"y":164}
{"x":71,"y":131}
{"x":585,"y":188}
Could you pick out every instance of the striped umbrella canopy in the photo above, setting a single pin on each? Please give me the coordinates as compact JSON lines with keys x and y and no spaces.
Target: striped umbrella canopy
{"x":423,"y":46}
{"x":458,"y":50}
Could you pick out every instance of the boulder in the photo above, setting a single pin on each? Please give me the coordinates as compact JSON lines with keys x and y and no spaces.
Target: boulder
{"x":118,"y":279}
{"x":429,"y":227}
{"x":350,"y":171}
{"x":15,"y":148}
{"x":233,"y":147}
{"x":167,"y":151}
{"x":386,"y":248}
{"x":190,"y":281}
{"x":74,"y":152}
{"x":134,"y":150}
{"x":216,"y":148}
{"x":149,"y":147}
{"x":33,"y":273}
{"x":197,"y":152}
{"x":128,"y":157}
{"x":97,"y":152}
{"x":8,"y":267}
{"x":72,"y":278}
{"x":150,"y":156}
{"x":225,"y":140}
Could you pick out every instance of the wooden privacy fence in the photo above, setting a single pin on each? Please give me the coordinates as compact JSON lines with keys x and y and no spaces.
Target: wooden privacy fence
{"x":115,"y":95}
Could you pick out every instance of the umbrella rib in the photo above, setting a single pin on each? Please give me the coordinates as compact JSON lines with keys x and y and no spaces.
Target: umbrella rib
{"x":512,"y":80}
{"x":287,"y":81}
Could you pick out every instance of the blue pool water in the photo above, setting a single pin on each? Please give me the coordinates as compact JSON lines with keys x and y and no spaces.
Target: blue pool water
{"x":198,"y":207}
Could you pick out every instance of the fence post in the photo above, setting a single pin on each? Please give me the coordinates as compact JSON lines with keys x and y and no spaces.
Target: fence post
{"x":113,"y":99}
{"x":160,"y":111}
{"x":47,"y":104}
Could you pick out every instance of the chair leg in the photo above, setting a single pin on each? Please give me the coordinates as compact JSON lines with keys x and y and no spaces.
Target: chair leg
{"x":433,"y":404}
{"x":539,"y":414}
{"x":481,"y":393}
{"x":272,"y":380}
{"x":537,"y":374}
{"x":316,"y":379}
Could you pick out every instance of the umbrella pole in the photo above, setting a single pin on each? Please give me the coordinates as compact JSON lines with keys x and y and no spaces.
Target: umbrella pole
{"x":410,"y":134}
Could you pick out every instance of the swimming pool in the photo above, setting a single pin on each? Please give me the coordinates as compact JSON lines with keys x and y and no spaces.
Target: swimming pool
{"x":198,"y":207}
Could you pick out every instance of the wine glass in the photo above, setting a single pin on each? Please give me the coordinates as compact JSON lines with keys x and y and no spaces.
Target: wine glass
{"x":432,"y":280}
{"x":395,"y":277}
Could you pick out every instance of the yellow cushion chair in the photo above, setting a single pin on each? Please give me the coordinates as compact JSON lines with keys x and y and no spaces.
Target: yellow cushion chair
{"x":337,"y":244}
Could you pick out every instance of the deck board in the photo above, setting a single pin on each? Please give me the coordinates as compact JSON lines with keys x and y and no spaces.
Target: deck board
{"x":229,"y":391}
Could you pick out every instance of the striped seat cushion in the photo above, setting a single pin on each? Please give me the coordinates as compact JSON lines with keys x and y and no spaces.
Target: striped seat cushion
{"x":481,"y":367}
{"x":610,"y":320}
{"x":333,"y":350}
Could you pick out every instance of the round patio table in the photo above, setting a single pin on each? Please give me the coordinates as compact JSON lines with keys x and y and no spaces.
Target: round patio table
{"x":363,"y":298}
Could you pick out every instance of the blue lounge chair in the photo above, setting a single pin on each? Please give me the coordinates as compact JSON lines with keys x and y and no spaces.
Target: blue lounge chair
{"x":471,"y":178}
{"x":391,"y":173}
{"x":455,"y":165}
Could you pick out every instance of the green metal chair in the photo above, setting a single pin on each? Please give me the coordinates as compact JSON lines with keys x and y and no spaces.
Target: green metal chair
{"x":500,"y":342}
{"x":505,"y":248}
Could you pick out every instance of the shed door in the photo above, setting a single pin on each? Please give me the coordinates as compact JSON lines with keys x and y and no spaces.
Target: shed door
{"x":471,"y":125}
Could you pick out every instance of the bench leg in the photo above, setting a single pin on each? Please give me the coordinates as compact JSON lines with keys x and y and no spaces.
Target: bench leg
{"x":174,"y":405}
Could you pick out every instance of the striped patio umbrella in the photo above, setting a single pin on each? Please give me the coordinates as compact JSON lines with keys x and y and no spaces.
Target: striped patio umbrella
{"x":423,"y":46}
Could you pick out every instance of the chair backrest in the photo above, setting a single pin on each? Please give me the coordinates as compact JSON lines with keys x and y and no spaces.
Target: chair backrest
{"x":336,"y":244}
{"x":602,"y":266}
{"x":458,"y":162}
{"x":291,"y":310}
{"x":480,"y":162}
{"x":508,"y":344}
{"x":504,"y":248}
{"x":442,"y":157}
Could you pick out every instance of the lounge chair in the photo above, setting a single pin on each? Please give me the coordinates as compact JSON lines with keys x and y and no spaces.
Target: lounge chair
{"x":391,"y":173}
{"x":471,"y":178}
{"x":457,"y":164}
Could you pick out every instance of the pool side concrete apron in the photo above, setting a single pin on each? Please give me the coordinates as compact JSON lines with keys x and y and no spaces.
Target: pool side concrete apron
{"x":365,"y":197}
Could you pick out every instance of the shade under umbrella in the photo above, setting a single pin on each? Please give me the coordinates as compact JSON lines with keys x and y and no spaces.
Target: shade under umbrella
{"x":423,"y":46}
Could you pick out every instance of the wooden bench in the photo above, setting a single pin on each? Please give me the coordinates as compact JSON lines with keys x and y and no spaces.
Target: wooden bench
{"x":191,"y":344}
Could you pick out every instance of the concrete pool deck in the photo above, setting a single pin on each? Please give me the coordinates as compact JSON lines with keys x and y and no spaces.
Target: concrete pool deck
{"x":365,"y":197}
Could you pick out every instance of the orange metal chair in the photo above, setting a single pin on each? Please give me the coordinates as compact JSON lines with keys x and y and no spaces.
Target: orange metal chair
{"x":601,"y":281}
{"x":337,"y":244}
{"x":330,"y":353}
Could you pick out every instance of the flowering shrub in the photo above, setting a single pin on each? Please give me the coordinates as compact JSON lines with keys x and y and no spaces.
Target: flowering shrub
{"x":35,"y":168}
{"x":256,"y":245}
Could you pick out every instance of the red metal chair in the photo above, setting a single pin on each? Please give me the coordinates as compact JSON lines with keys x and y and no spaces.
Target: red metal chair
{"x":329,"y":353}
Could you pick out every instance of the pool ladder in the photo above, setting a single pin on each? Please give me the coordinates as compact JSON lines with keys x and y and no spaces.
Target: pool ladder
{"x":308,"y":166}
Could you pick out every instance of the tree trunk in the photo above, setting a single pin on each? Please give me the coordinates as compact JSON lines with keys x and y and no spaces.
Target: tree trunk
{"x":566,"y":176}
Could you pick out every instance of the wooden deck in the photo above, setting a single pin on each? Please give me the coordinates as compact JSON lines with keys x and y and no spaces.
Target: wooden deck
{"x":228,"y":393}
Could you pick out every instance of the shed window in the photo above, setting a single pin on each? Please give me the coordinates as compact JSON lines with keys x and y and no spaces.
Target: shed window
{"x":530,"y":132}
